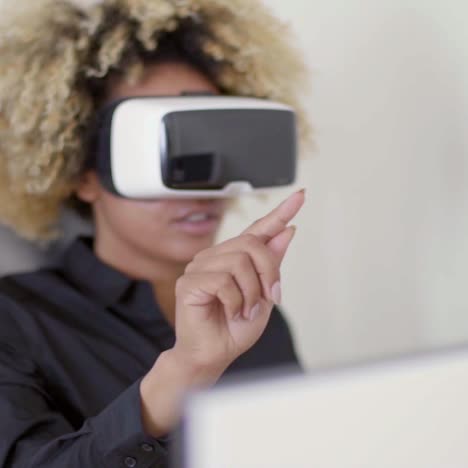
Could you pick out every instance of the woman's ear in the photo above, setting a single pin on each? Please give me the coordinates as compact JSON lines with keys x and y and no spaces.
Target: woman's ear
{"x":89,"y":187}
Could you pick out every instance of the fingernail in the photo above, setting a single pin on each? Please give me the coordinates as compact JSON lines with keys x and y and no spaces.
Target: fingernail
{"x":254,"y":312}
{"x":276,"y":293}
{"x":303,"y":191}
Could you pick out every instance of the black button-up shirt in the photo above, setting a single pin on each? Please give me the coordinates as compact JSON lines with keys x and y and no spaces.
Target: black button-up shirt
{"x":75,"y":342}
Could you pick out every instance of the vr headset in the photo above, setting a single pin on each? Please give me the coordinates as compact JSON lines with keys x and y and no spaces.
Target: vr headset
{"x":193,"y":146}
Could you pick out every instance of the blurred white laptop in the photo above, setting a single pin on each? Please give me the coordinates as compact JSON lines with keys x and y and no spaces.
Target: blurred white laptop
{"x":408,"y":413}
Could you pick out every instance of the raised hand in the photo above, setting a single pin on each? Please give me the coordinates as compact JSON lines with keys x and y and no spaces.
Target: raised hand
{"x":225,"y":297}
{"x":223,"y":304}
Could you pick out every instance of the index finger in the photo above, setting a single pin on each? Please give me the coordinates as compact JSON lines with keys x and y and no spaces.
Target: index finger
{"x":277,"y":219}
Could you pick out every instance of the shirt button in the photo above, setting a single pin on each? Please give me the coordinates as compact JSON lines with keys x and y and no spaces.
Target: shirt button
{"x":130,"y":462}
{"x":147,"y":447}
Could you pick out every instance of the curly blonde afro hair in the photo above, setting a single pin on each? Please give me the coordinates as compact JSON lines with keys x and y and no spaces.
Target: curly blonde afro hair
{"x":55,"y":53}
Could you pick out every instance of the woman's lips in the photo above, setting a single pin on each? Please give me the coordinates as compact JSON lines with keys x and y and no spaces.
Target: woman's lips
{"x":198,"y":224}
{"x":199,"y":218}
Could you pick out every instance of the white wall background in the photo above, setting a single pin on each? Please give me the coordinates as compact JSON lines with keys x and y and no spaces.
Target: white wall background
{"x":380,"y":261}
{"x":381,"y":255}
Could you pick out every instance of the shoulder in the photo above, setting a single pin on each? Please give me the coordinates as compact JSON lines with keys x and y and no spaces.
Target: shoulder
{"x":278,"y":336}
{"x":10,"y":310}
{"x":16,"y":350}
{"x":22,"y":287}
{"x":278,"y":322}
{"x":18,"y":292}
{"x":274,"y":349}
{"x":23,"y":306}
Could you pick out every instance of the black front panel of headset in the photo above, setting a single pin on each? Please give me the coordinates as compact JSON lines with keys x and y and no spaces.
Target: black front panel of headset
{"x":207,"y":149}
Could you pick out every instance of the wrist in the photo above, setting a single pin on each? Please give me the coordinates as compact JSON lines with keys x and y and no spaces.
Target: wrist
{"x":195,"y":372}
{"x":165,"y":386}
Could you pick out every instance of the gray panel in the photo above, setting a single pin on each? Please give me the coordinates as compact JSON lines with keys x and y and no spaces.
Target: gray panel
{"x":18,"y":255}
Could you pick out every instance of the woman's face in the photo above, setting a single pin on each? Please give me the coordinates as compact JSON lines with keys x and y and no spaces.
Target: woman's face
{"x":165,"y":230}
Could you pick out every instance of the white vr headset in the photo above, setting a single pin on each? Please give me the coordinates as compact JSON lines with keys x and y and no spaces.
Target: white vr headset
{"x":193,"y":146}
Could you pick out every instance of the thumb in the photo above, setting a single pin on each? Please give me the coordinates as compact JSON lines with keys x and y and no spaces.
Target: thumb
{"x":280,"y":243}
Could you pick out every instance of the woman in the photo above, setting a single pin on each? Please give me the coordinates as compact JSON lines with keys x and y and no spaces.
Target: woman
{"x":97,"y":354}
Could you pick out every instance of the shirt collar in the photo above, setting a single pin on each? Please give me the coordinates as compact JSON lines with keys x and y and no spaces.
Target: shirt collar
{"x":90,"y":274}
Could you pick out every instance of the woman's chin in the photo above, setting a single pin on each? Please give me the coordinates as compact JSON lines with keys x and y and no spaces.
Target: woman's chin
{"x":186,"y":248}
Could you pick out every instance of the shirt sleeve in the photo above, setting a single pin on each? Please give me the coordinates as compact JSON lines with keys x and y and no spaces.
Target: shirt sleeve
{"x":34,"y":434}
